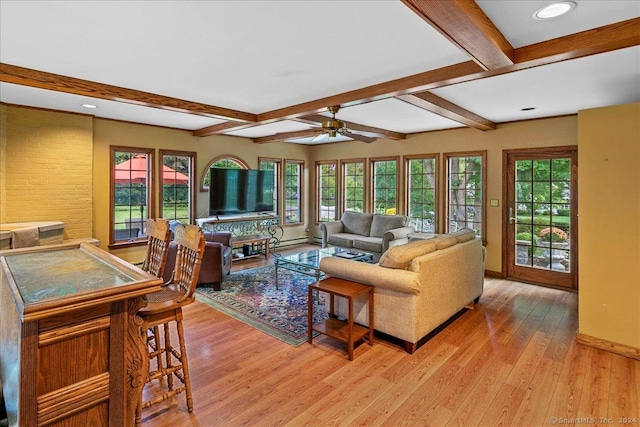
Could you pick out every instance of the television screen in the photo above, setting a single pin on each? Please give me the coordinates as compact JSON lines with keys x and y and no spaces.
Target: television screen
{"x":236,"y":191}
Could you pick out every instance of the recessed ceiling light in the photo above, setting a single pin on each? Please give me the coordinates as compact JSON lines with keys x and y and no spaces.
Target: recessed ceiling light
{"x":527,"y":108}
{"x":89,"y":106}
{"x":554,"y":10}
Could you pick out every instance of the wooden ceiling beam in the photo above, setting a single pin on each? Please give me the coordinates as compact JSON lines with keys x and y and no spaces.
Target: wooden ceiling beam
{"x":592,"y":42}
{"x":43,"y":80}
{"x":619,"y":35}
{"x":433,"y":103}
{"x":221,"y":128}
{"x":465,"y":25}
{"x":317,"y":119}
{"x":415,"y":83}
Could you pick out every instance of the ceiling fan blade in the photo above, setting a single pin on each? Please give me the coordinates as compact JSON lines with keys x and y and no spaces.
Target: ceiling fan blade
{"x":358,"y":137}
{"x":320,"y":137}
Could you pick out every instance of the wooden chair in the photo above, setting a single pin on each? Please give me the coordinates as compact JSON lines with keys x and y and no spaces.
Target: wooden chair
{"x":166,"y":306}
{"x":158,"y":242}
{"x":159,"y":237}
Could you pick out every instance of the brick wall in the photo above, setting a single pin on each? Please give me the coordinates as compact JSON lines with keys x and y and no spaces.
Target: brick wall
{"x":47,"y":160}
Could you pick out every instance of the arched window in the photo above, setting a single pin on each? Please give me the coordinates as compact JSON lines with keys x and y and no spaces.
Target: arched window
{"x":226,"y":161}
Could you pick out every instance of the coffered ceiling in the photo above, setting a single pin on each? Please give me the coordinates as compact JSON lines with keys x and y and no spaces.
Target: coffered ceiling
{"x":268,"y":70}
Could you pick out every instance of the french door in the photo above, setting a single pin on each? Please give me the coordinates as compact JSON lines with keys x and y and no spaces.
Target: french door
{"x":540,"y":239}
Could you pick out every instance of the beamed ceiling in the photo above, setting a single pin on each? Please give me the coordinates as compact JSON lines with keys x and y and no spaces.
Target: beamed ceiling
{"x":269,"y":70}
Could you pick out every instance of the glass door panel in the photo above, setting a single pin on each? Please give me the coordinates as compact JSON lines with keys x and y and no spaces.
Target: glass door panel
{"x":540,"y":235}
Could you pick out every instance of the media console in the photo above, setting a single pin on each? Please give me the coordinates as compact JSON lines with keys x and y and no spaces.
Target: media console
{"x":265,"y":224}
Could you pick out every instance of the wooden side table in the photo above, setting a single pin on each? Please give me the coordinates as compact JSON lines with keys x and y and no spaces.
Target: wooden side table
{"x":346,"y":332}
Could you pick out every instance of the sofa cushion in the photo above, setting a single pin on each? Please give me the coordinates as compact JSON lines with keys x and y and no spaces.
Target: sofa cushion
{"x":445,"y":241}
{"x":401,"y":255}
{"x":371,"y":244}
{"x":341,"y":239}
{"x":464,"y":235}
{"x":383,"y":223}
{"x":357,"y":222}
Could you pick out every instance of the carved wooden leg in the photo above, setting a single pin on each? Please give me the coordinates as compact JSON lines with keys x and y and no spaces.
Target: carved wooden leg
{"x":350,"y":329}
{"x":167,"y":354}
{"x":136,"y":360}
{"x":158,"y":346}
{"x":185,"y":361}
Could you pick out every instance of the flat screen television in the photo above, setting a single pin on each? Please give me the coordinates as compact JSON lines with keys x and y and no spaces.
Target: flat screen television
{"x":238,"y":191}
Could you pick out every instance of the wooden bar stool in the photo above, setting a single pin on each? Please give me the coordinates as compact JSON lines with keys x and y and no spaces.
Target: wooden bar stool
{"x":166,"y":306}
{"x":158,"y":239}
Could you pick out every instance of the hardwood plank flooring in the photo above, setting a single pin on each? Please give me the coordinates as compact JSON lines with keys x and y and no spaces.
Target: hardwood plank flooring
{"x":513,"y":360}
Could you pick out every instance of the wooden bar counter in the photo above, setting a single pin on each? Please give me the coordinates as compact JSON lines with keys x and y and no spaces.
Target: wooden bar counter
{"x":71,"y":349}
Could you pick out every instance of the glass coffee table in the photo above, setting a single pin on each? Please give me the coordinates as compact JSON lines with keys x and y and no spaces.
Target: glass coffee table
{"x":309,"y":262}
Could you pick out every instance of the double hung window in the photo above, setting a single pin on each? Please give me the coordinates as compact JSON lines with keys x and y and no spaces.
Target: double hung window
{"x":272,"y":165}
{"x":421,"y":179}
{"x":176,"y":192}
{"x":131,"y":190}
{"x":466,"y":195}
{"x":326,"y":191}
{"x":384,"y":194}
{"x":353,"y":185}
{"x":293,"y":199}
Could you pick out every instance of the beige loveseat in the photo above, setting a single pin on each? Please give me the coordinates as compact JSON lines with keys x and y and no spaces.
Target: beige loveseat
{"x":370,"y":232}
{"x":417,"y":286}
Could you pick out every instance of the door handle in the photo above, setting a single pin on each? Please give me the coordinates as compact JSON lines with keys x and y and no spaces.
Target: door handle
{"x":512,"y":219}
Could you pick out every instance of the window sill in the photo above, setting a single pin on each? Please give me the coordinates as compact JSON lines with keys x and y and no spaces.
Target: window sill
{"x":128,"y":244}
{"x":293,"y":224}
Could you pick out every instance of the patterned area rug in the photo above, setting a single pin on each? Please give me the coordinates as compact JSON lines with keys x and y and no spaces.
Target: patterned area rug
{"x":251,"y":297}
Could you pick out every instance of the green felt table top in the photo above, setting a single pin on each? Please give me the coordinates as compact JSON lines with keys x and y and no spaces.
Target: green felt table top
{"x":49,"y":275}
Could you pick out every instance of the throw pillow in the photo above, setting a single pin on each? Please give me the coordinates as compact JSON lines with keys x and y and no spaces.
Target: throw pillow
{"x":464,"y":235}
{"x":445,"y":241}
{"x":400,"y":256}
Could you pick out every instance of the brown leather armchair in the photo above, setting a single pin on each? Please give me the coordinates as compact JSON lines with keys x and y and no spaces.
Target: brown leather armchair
{"x":216,"y":262}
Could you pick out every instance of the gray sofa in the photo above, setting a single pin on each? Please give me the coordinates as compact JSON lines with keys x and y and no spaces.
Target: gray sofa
{"x":370,"y":232}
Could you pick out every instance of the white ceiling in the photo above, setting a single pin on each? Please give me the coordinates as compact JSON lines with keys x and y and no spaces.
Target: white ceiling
{"x":563,"y":88}
{"x":260,"y":56}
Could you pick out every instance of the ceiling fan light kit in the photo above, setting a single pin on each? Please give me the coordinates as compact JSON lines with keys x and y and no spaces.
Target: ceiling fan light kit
{"x":332,"y":126}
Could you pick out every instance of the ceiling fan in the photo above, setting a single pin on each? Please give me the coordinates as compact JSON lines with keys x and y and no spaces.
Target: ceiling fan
{"x":332,"y":127}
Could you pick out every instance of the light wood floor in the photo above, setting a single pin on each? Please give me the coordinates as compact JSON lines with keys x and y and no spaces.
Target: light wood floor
{"x":512,"y":361}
